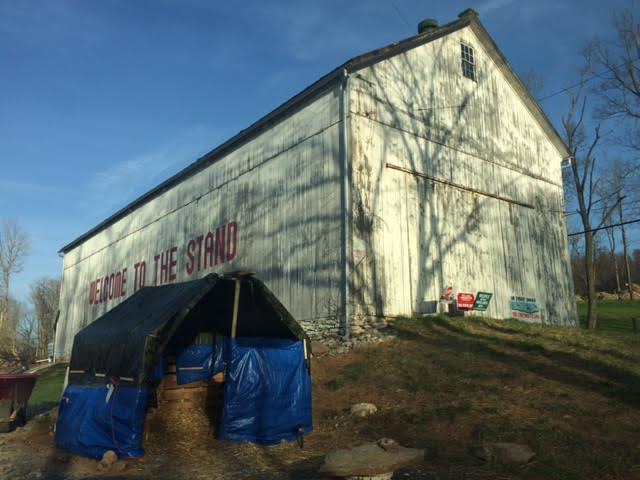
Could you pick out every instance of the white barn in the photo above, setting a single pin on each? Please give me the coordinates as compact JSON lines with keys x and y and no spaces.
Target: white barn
{"x":417,"y":170}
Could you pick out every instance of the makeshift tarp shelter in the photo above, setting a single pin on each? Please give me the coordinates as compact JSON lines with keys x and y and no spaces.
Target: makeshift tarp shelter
{"x":115,"y":360}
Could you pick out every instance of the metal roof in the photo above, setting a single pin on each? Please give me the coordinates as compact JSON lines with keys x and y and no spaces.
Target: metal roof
{"x":467,"y":18}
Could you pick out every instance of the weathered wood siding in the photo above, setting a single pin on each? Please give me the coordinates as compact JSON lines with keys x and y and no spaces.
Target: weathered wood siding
{"x":412,"y":236}
{"x":277,"y":196}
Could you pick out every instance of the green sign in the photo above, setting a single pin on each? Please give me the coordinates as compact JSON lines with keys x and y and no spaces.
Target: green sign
{"x":482,"y":301}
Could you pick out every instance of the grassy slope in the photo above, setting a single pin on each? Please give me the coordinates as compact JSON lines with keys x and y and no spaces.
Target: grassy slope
{"x":613,"y":315}
{"x":48,"y":388}
{"x":447,"y":384}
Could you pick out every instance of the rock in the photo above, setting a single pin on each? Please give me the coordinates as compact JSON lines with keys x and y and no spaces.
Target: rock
{"x":108,"y":459}
{"x":357,"y":330}
{"x":363,"y":409}
{"x":382,"y":476}
{"x":370,"y":460}
{"x":504,"y":452}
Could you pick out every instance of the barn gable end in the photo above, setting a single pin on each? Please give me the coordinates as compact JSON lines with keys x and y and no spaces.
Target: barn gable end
{"x":456,"y":183}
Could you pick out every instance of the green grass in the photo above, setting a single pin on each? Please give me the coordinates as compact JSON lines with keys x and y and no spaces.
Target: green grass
{"x":48,"y":389}
{"x":572,"y":395}
{"x":351,"y":373}
{"x":613,"y":315}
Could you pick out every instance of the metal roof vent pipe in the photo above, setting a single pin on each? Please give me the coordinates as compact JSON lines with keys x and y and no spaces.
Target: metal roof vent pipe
{"x":428,"y":25}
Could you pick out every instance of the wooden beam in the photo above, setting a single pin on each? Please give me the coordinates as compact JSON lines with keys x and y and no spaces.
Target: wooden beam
{"x":236,"y":304}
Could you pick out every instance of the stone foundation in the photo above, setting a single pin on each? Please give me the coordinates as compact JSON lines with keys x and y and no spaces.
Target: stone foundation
{"x":332,"y":329}
{"x":327,"y":334}
{"x":363,"y":324}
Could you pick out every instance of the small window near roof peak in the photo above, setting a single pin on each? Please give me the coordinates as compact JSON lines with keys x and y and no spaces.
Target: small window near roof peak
{"x":468,"y":62}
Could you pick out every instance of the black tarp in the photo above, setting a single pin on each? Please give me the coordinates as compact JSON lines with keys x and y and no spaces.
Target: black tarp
{"x":128,"y":341}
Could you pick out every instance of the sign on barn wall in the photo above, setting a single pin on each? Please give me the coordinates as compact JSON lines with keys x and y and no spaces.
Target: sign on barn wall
{"x":201,"y":252}
{"x":465,"y":301}
{"x":482,"y":301}
{"x":447,"y":295}
{"x":525,"y":308}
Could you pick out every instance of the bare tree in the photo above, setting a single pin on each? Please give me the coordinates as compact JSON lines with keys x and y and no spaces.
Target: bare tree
{"x":616,"y":66}
{"x":584,"y":177}
{"x":23,"y":351}
{"x":534,"y":82}
{"x":45,"y":293}
{"x":616,"y":63}
{"x":14,"y":248}
{"x":618,"y":188}
{"x":12,"y":323}
{"x":577,"y":266}
{"x":18,"y":343}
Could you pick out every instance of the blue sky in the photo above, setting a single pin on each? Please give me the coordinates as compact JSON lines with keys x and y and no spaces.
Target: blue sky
{"x":101,"y":100}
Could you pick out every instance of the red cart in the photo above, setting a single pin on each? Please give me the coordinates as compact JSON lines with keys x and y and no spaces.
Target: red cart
{"x":15,"y":390}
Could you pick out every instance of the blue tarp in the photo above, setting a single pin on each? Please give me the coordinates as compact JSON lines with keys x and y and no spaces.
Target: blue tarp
{"x":91,"y":420}
{"x":157,"y":373}
{"x":267,"y":394}
{"x":268,"y":388}
{"x":199,"y":362}
{"x":267,"y":399}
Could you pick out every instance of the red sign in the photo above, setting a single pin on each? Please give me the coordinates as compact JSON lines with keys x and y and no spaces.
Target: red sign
{"x":446,"y":295}
{"x":465,"y":301}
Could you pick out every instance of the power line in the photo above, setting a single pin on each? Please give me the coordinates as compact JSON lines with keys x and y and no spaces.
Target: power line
{"x":588,"y":79}
{"x":570,"y":87}
{"x":395,"y":7}
{"x":599,"y":209}
{"x":604,"y":228}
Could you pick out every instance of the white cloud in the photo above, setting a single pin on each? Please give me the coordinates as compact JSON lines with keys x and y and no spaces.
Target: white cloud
{"x":489,"y":6}
{"x":124,"y":181}
{"x":527,"y":11}
{"x":310,"y":30}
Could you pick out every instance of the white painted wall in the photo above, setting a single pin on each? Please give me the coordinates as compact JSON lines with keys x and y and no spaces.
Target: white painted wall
{"x":282,"y":189}
{"x":413,"y":237}
{"x":410,"y":237}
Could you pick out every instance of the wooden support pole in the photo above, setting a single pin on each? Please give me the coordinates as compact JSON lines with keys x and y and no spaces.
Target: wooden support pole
{"x":236,"y":304}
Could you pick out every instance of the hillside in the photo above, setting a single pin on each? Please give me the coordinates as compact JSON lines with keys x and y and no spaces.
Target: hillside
{"x":447,"y":384}
{"x":444,"y":385}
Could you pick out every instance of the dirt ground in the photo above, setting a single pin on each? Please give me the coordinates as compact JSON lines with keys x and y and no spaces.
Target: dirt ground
{"x":442,"y":386}
{"x":180,"y":444}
